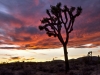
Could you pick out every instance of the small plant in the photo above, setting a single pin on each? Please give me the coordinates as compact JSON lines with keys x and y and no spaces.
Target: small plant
{"x":98,"y":59}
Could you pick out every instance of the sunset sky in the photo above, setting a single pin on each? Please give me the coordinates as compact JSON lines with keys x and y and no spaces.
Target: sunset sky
{"x":21,"y":40}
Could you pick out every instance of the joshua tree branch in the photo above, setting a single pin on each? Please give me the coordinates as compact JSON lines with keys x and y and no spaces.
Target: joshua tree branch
{"x":67,"y":37}
{"x":60,"y":38}
{"x":66,"y":17}
{"x":69,"y":24}
{"x":60,"y":15}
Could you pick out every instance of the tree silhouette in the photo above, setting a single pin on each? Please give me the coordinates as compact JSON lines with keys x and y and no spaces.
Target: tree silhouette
{"x":60,"y":19}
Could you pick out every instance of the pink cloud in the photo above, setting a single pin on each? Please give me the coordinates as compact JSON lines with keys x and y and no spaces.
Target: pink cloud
{"x":36,"y":2}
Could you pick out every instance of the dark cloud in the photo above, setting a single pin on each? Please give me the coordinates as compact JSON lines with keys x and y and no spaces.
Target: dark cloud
{"x":27,"y":29}
{"x":21,"y":39}
{"x":30,"y":59}
{"x":15,"y":58}
{"x":8,"y":19}
{"x":10,"y":48}
{"x":30,"y":30}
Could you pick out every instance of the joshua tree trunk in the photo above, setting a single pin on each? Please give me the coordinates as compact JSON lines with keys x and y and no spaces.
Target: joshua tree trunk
{"x":66,"y":58}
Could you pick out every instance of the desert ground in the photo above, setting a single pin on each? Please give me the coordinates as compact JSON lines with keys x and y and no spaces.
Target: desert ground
{"x":79,"y":66}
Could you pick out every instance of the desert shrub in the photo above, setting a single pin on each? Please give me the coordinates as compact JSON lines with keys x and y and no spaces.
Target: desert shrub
{"x":6,"y":73}
{"x":74,"y":67}
{"x":87,"y":73}
{"x":26,"y":71}
{"x":85,"y":60}
{"x":61,"y":69}
{"x":88,"y":68}
{"x":72,"y":72}
{"x":45,"y":69}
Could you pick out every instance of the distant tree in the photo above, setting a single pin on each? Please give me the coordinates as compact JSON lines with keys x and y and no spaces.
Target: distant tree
{"x":60,"y":19}
{"x":90,"y":56}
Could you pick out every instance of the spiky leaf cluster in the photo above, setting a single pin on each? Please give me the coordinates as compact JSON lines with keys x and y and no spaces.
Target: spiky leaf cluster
{"x":55,"y":21}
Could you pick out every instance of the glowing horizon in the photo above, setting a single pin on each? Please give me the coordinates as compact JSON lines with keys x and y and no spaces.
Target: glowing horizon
{"x":43,"y":55}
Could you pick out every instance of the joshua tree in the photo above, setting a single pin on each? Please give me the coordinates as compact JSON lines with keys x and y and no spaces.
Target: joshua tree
{"x":60,"y":18}
{"x":90,"y":55}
